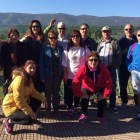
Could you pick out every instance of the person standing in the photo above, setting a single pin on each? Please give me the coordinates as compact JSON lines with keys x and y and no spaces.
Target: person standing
{"x":133,"y":66}
{"x":88,"y":41}
{"x":125,"y":42}
{"x":110,"y":56}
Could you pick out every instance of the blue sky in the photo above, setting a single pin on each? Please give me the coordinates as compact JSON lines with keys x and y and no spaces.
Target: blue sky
{"x":127,"y":8}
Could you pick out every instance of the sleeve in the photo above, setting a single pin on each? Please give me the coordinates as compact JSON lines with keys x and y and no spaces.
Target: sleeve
{"x":77,"y":81}
{"x":42,"y":63}
{"x":64,"y":57}
{"x":119,"y":56}
{"x":87,"y":52}
{"x":18,"y":94}
{"x":108,"y":81}
{"x":36,"y":94}
{"x":128,"y":60}
{"x":47,"y":29}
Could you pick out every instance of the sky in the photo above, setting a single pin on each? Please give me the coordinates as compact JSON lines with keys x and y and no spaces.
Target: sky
{"x":101,"y":8}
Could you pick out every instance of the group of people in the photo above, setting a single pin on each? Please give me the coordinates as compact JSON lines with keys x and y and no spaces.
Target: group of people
{"x":41,"y":59}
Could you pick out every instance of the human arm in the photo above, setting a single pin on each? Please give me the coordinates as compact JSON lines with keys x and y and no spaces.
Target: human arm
{"x":48,"y":28}
{"x":77,"y":81}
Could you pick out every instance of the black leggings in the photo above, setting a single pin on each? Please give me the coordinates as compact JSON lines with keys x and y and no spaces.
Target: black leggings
{"x":101,"y":105}
{"x":19,"y":117}
{"x":70,"y":95}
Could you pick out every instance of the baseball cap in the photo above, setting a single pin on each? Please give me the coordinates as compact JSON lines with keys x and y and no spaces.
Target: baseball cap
{"x":106,"y":28}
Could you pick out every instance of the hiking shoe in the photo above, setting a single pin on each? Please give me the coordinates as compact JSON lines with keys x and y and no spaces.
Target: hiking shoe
{"x":8,"y":127}
{"x":82,"y":118}
{"x":114,"y":110}
{"x":76,"y":112}
{"x":102,"y":120}
{"x":123,"y":105}
{"x":69,"y":113}
{"x":37,"y":123}
{"x":137,"y":118}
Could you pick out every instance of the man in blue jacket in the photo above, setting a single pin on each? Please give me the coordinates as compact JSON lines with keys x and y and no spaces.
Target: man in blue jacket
{"x":133,"y":66}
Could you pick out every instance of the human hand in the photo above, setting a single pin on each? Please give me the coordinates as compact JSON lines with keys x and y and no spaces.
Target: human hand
{"x":132,"y":71}
{"x":85,"y":95}
{"x":33,"y":115}
{"x":45,"y":103}
{"x":53,"y":22}
{"x":65,"y":78}
{"x":125,"y":51}
{"x":100,"y":97}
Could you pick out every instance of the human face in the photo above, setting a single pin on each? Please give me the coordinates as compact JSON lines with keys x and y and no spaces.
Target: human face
{"x":128,"y":30}
{"x":30,"y":69}
{"x":83,"y":30}
{"x":93,"y":62}
{"x":76,"y":39}
{"x":106,"y":34}
{"x":35,"y":28}
{"x":61,"y":30}
{"x":138,"y":36}
{"x":53,"y":40}
{"x":13,"y":38}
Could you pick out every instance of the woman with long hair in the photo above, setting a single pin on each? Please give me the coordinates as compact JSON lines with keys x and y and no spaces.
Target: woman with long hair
{"x":51,"y":71}
{"x":74,"y":56}
{"x":35,"y":39}
{"x":22,"y":101}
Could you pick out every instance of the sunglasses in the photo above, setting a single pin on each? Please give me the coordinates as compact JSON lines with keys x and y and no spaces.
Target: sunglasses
{"x":52,"y":38}
{"x":77,"y":36}
{"x":130,"y":29}
{"x":138,"y":35}
{"x":36,"y":26}
{"x":95,"y":60}
{"x":61,"y":28}
{"x":84,"y":28}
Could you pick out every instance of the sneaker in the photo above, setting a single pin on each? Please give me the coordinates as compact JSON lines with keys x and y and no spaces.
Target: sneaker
{"x":102,"y":120}
{"x":8,"y":127}
{"x":48,"y":113}
{"x":37,"y":123}
{"x":69,"y":113}
{"x":114,"y":110}
{"x":82,"y":118}
{"x":76,"y":112}
{"x":123,"y":105}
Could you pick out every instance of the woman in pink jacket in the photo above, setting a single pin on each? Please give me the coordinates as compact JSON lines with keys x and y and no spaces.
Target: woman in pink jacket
{"x":92,"y":78}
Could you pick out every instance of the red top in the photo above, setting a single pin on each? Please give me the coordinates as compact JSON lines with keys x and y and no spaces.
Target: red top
{"x":82,"y":80}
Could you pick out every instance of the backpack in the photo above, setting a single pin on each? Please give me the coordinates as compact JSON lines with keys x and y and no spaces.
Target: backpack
{"x":6,"y":86}
{"x":133,"y":46}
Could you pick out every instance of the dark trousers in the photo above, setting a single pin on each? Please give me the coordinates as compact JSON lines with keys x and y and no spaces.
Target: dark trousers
{"x":19,"y":117}
{"x":124,"y":78}
{"x":113,"y":93}
{"x":70,"y":95}
{"x":101,"y":105}
{"x":65,"y":94}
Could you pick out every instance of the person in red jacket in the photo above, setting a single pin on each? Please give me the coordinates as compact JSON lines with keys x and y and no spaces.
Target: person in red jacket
{"x":92,"y":78}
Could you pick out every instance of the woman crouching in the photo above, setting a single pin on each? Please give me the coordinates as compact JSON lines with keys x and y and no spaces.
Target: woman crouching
{"x":22,"y":101}
{"x":92,"y":78}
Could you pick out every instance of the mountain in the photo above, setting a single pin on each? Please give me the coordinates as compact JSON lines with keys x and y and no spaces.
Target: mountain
{"x":11,"y":19}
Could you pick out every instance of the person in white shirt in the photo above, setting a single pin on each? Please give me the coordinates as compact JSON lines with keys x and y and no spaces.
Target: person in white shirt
{"x":74,"y":56}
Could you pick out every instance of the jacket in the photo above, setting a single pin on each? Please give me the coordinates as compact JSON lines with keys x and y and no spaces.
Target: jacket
{"x":82,"y":80}
{"x":116,"y":54}
{"x":45,"y":63}
{"x":6,"y":61}
{"x":123,"y":43}
{"x":18,"y":98}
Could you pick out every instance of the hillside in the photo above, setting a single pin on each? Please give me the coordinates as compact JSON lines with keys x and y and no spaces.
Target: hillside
{"x":11,"y":19}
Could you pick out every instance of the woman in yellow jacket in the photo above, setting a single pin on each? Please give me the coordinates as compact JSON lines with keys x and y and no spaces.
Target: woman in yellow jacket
{"x":21,"y":103}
